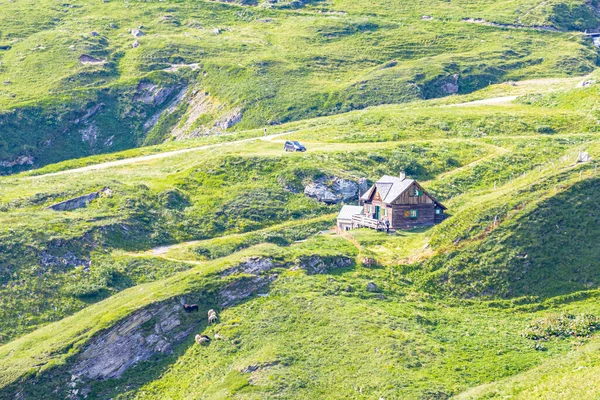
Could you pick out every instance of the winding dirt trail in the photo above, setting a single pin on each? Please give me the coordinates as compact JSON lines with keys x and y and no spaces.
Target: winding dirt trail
{"x":134,"y":160}
{"x":494,"y":101}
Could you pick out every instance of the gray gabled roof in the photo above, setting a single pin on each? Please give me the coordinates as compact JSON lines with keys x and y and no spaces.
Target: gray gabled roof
{"x":348,"y":211}
{"x":391,"y":187}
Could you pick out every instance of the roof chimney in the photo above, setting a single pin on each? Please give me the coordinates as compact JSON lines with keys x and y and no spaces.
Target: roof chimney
{"x":402,"y":175}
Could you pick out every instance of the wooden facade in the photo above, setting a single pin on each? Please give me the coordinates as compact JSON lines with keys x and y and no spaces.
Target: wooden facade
{"x":402,"y":204}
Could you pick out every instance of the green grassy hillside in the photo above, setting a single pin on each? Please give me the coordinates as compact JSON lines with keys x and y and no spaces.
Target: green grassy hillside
{"x":196,"y":205}
{"x":448,"y":302}
{"x":205,"y":67}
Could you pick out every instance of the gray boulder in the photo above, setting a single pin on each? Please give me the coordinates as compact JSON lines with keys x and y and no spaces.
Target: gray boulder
{"x":332,"y":190}
{"x":321,"y":192}
{"x":348,"y":190}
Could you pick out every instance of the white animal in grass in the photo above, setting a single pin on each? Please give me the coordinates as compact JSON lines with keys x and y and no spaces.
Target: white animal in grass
{"x":202,"y":339}
{"x":212,"y":316}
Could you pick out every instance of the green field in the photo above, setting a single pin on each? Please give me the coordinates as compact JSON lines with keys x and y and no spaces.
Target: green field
{"x":482,"y":102}
{"x":205,"y":67}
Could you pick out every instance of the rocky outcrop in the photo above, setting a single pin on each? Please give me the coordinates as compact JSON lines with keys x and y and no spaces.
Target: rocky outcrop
{"x":332,"y":190}
{"x":450,"y":85}
{"x":89,"y":134}
{"x":79,"y":202}
{"x":321,"y":265}
{"x":229,"y":119}
{"x":143,"y":334}
{"x":150,"y":93}
{"x":170,"y":109}
{"x":363,"y":186}
{"x":254,"y":266}
{"x":241,"y":289}
{"x":87,"y":59}
{"x":321,"y":192}
{"x":202,"y":105}
{"x":67,"y":260}
{"x":21,"y":160}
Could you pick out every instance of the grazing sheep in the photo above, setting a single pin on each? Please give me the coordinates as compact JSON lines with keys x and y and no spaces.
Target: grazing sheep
{"x":212,"y":316}
{"x":368,"y":262}
{"x":190,"y":307}
{"x":202,"y":339}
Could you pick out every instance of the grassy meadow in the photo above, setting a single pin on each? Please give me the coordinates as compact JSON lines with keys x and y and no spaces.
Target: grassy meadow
{"x":483,"y":102}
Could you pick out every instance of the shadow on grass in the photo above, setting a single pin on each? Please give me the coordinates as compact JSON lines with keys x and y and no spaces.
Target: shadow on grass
{"x":550,"y":251}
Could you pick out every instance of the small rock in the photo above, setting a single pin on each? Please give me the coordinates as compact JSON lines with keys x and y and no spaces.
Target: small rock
{"x":94,"y":33}
{"x":216,"y":31}
{"x":372,"y":287}
{"x":137,"y":32}
{"x":135,"y":44}
{"x":87,"y":59}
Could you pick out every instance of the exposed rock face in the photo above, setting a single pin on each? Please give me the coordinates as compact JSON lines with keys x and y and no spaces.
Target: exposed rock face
{"x":254,"y":266}
{"x":79,"y":202}
{"x":229,"y":119}
{"x":21,"y":160}
{"x":149,"y":93}
{"x":363,"y":186}
{"x":348,"y":190}
{"x":90,"y":134}
{"x":450,"y":85}
{"x":243,"y":288}
{"x":90,"y":112}
{"x":171,"y":107}
{"x":201,"y":104}
{"x":87,"y":59}
{"x":112,"y":353}
{"x":321,"y":265}
{"x":321,"y":193}
{"x":332,"y":191}
{"x":67,"y":260}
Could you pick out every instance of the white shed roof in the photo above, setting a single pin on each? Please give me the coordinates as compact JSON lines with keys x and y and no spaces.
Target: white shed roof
{"x":348,"y":211}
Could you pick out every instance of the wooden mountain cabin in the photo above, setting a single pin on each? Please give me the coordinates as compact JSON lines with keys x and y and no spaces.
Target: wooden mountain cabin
{"x":394,"y":203}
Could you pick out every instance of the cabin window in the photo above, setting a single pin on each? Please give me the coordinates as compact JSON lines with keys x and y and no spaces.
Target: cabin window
{"x":418,"y":192}
{"x":385,"y":212}
{"x":414,"y":213}
{"x":438,"y":211}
